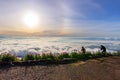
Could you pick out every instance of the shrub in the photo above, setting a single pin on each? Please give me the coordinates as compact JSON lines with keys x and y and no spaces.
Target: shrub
{"x":117,"y":53}
{"x":0,"y":57}
{"x":48,"y":56}
{"x":64,"y":55}
{"x":8,"y":58}
{"x":85,"y":56}
{"x":75,"y":55}
{"x":29,"y":57}
{"x":88,"y":55}
{"x":97,"y":55}
{"x":37,"y":57}
{"x":108,"y":54}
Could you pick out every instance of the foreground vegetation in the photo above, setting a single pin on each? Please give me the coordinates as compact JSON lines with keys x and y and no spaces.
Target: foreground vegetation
{"x":6,"y":57}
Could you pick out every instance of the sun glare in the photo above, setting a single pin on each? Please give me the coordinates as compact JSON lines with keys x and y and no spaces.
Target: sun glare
{"x":31,"y":19}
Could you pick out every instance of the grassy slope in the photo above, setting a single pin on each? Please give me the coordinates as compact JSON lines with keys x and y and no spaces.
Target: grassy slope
{"x":101,"y":69}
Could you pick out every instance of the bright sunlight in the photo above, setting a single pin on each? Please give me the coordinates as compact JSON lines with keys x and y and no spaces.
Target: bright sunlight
{"x":30,"y":19}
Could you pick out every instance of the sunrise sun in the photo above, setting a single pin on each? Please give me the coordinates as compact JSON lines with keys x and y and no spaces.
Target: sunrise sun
{"x":30,"y":19}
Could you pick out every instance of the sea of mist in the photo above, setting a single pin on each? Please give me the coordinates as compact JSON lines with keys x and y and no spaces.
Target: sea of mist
{"x":20,"y":46}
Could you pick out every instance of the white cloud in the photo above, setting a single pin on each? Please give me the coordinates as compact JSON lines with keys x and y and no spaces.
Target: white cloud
{"x":60,"y":15}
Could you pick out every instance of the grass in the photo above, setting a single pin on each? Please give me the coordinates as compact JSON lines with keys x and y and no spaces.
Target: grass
{"x":63,"y":55}
{"x":48,"y":56}
{"x":8,"y":58}
{"x":99,"y":55}
{"x":117,"y":54}
{"x":29,"y":57}
{"x":37,"y":57}
{"x":74,"y":55}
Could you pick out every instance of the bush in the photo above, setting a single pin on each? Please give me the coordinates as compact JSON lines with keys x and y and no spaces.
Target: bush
{"x":97,"y":55}
{"x":0,"y":57}
{"x":48,"y":56}
{"x":29,"y":57}
{"x":75,"y":55}
{"x":37,"y":57}
{"x":108,"y":54}
{"x":117,"y":53}
{"x":85,"y":56}
{"x":64,"y":55}
{"x":8,"y":58}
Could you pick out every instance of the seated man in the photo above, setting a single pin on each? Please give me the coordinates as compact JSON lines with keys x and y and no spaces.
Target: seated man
{"x":103,"y":49}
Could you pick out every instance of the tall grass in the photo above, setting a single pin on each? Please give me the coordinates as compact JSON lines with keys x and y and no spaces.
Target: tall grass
{"x":117,"y":53}
{"x":37,"y":57}
{"x":63,"y":55}
{"x":74,"y":55}
{"x":49,"y":56}
{"x":29,"y":57}
{"x":8,"y":58}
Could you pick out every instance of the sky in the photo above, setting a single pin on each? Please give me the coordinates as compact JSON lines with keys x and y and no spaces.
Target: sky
{"x":83,"y":18}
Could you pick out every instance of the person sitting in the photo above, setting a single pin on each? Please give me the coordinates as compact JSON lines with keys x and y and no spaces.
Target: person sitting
{"x":83,"y":50}
{"x":103,"y":48}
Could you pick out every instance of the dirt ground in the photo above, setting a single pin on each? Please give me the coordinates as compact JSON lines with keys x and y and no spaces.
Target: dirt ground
{"x":95,"y":69}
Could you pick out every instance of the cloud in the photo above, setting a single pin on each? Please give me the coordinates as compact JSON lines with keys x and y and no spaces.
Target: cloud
{"x":58,"y":18}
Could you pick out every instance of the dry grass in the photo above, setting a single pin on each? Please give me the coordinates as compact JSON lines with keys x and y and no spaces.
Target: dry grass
{"x":96,"y":69}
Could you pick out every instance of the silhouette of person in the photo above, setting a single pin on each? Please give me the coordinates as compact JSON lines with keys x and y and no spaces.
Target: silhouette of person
{"x":83,"y":50}
{"x":103,"y":49}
